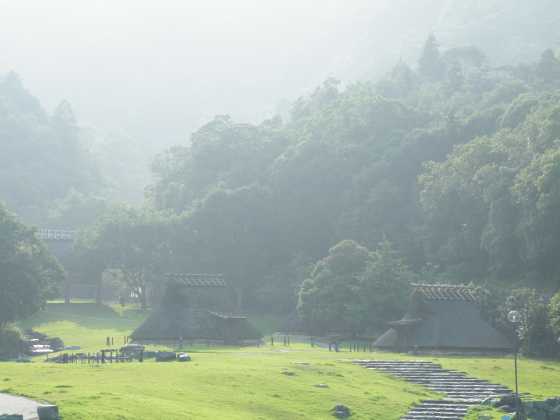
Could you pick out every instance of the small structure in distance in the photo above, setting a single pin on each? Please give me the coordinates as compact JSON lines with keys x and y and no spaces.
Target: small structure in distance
{"x":196,"y":307}
{"x":443,"y":317}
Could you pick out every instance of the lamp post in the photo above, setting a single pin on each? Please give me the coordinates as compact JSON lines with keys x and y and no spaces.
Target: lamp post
{"x":515,"y":318}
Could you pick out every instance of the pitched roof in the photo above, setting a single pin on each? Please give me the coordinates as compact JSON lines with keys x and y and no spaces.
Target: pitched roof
{"x":447,"y":292}
{"x":198,"y":280}
{"x":448,"y":324}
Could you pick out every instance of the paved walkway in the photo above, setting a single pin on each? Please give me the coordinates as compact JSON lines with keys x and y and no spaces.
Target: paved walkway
{"x":10,"y":404}
{"x":460,"y":390}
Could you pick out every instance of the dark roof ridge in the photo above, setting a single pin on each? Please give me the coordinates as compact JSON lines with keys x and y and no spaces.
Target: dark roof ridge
{"x":447,"y":292}
{"x":198,"y":280}
{"x":463,"y":286}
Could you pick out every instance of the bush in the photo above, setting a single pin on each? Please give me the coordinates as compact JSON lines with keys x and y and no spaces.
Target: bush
{"x":10,"y":343}
{"x":536,"y":334}
{"x":554,"y":314}
{"x":354,"y":290}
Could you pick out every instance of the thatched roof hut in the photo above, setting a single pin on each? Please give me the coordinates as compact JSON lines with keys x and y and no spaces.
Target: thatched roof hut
{"x":187,"y":313}
{"x":443,"y":317}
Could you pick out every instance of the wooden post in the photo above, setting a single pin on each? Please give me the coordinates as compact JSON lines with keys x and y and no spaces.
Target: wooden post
{"x":67,"y":296}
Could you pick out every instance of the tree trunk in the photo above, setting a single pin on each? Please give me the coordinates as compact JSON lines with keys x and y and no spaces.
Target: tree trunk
{"x":143,"y":300}
{"x":239,"y":295}
{"x":67,"y":292}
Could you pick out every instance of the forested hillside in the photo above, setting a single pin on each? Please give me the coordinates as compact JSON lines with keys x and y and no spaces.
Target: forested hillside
{"x":43,"y":158}
{"x":445,"y":170}
{"x":451,"y":161}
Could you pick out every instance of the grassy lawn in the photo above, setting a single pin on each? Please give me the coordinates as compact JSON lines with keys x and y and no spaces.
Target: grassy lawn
{"x":229,"y":383}
{"x":85,"y":324}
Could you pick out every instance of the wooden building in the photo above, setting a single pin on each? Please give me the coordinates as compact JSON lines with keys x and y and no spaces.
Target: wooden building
{"x":446,"y":318}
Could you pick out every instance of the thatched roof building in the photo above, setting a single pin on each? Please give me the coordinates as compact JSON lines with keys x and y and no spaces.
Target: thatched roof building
{"x":443,"y":317}
{"x":192,"y":309}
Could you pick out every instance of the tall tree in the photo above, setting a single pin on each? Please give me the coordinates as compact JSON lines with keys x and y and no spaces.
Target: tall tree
{"x":353,"y":290}
{"x":430,"y":64}
{"x":28,"y":273}
{"x":548,"y":68}
{"x":135,"y":242}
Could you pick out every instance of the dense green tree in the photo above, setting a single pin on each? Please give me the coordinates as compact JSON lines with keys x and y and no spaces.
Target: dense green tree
{"x":42,"y":157}
{"x":75,"y":210}
{"x":535,"y":330}
{"x":28,"y":273}
{"x":132,"y":242}
{"x":384,"y":287}
{"x":548,"y":68}
{"x":554,"y":315}
{"x":454,"y":165}
{"x":430,"y":64}
{"x":353,"y":290}
{"x":329,"y":301}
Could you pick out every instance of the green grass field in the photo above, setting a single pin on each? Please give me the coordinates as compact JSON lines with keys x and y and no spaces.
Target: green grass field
{"x":229,"y":383}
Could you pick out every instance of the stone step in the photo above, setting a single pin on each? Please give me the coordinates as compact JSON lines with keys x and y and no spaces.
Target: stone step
{"x":420,"y":362}
{"x":447,"y":378}
{"x":431,"y":417}
{"x":462,"y":386}
{"x":468,"y":390}
{"x":395,"y":362}
{"x":460,"y":390}
{"x":449,"y":401}
{"x":453,"y":382}
{"x":434,"y":415}
{"x":436,"y":377}
{"x":439,"y":410}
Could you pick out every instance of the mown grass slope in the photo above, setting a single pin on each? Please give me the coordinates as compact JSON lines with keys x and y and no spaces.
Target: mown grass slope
{"x":225,"y":383}
{"x":231,"y":383}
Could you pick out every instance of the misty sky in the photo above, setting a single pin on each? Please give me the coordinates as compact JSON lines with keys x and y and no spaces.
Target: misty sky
{"x":159,"y":69}
{"x":136,"y":65}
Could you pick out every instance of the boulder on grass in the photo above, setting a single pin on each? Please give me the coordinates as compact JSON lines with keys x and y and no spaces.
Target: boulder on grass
{"x":48,"y":412}
{"x":183,"y":357}
{"x":341,"y":411}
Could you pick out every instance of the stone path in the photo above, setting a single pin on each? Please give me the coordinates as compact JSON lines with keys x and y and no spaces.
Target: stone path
{"x":461,"y":391}
{"x":10,"y":404}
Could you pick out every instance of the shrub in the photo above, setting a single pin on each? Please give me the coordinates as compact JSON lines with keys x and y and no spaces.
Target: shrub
{"x":554,"y":314}
{"x":535,"y":330}
{"x":10,"y":342}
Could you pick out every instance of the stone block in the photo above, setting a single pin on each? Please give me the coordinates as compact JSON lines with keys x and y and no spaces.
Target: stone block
{"x":48,"y":412}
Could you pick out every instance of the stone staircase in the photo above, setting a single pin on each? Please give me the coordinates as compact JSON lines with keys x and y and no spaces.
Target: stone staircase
{"x":460,"y":390}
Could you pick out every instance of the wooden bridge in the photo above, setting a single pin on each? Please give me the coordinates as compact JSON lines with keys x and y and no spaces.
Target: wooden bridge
{"x":59,"y":241}
{"x":50,"y":235}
